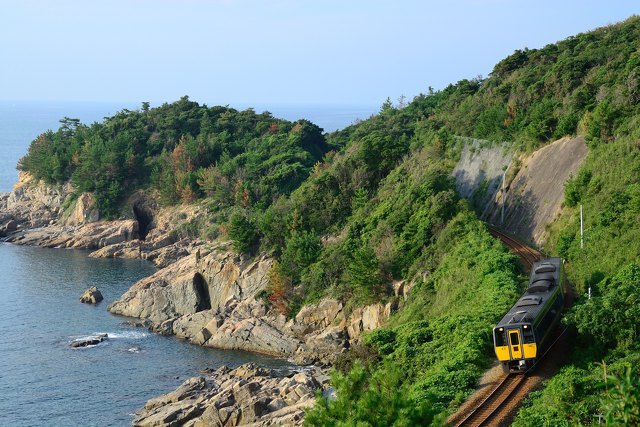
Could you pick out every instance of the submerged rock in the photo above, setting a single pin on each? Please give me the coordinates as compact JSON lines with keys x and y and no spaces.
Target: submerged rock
{"x":91,"y":296}
{"x":92,"y":340}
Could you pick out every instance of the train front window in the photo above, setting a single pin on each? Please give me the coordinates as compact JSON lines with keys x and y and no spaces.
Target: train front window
{"x":500,"y":337}
{"x":527,"y":334}
{"x":515,"y":339}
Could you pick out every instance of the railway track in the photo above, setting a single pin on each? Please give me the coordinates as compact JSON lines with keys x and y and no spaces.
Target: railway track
{"x":492,"y":405}
{"x":496,"y":406}
{"x":527,"y":254}
{"x":512,"y":388}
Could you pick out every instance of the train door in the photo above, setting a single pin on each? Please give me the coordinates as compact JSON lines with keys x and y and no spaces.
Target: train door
{"x":515,"y":344}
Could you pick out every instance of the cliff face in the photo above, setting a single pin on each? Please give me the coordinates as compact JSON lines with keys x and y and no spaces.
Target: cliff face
{"x":479,"y":171}
{"x":33,"y":204}
{"x":533,"y":197}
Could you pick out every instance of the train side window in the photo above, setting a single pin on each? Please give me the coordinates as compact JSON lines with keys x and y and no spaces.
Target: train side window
{"x":500,"y":338}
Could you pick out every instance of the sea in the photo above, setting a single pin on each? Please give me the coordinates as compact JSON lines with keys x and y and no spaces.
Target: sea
{"x":45,"y":382}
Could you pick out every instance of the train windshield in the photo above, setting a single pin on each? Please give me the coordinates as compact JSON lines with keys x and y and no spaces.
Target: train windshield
{"x":527,"y":334}
{"x":500,"y":337}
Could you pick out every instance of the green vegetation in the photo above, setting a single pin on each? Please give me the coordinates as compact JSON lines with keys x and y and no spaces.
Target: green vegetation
{"x":349,"y":213}
{"x":373,"y":400}
{"x":586,"y":84}
{"x":184,"y":151}
{"x":606,"y":326}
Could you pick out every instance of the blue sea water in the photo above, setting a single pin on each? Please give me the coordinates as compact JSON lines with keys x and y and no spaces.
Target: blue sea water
{"x":43,"y":381}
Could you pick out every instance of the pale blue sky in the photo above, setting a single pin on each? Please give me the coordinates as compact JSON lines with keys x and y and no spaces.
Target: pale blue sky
{"x":339,"y":52}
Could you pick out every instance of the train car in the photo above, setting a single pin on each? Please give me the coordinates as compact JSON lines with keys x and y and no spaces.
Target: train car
{"x":523,"y":334}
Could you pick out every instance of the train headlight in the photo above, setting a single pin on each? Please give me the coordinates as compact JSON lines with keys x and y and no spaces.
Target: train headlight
{"x":525,"y":326}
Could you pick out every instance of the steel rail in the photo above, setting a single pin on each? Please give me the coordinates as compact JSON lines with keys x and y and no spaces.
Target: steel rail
{"x":496,"y":400}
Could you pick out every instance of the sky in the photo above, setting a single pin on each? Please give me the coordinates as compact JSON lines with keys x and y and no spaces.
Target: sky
{"x":280,"y":52}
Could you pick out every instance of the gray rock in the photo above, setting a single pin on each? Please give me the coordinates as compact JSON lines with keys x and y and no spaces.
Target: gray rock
{"x":91,"y":296}
{"x":92,"y":340}
{"x":247,"y":395}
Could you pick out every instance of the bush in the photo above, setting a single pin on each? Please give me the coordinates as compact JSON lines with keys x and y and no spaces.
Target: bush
{"x":243,"y":233}
{"x":622,"y":405}
{"x":279,"y":291}
{"x":301,"y":250}
{"x":378,"y":400}
{"x":610,"y":320}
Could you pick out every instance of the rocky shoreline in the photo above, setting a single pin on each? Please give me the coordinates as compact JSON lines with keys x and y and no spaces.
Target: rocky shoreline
{"x":248,"y":395}
{"x":202,"y":293}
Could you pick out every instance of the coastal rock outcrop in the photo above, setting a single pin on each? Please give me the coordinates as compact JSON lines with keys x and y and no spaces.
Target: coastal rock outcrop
{"x":33,"y":203}
{"x":42,"y":216}
{"x":210,"y":299}
{"x":91,"y":296}
{"x":247,"y":395}
{"x":3,"y":200}
{"x":368,"y":318}
{"x":92,"y":235}
{"x":189,"y":286}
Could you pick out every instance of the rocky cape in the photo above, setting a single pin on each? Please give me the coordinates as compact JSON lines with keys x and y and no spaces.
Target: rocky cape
{"x":203,"y":293}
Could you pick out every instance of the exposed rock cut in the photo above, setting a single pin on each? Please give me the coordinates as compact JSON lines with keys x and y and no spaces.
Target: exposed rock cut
{"x":535,"y":196}
{"x":479,"y":171}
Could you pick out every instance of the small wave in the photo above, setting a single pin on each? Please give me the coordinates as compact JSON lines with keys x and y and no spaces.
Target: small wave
{"x":88,"y":337}
{"x":87,"y":346}
{"x":128,"y":335}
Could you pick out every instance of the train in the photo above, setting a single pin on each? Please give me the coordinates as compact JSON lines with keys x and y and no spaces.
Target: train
{"x":524,"y":333}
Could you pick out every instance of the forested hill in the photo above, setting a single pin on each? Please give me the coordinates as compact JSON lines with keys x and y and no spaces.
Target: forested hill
{"x":183,"y":150}
{"x":352,"y":213}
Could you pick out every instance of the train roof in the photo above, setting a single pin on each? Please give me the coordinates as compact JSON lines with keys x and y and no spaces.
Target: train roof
{"x":544,"y":280}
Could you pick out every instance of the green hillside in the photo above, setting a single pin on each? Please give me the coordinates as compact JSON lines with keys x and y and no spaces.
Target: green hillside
{"x":348,"y":213}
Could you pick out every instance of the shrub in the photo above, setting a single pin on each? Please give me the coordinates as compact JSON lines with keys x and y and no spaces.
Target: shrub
{"x":243,"y":233}
{"x":378,"y":400}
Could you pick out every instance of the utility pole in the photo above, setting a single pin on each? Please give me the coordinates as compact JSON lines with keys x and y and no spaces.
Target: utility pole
{"x":581,"y":229}
{"x":504,"y":195}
